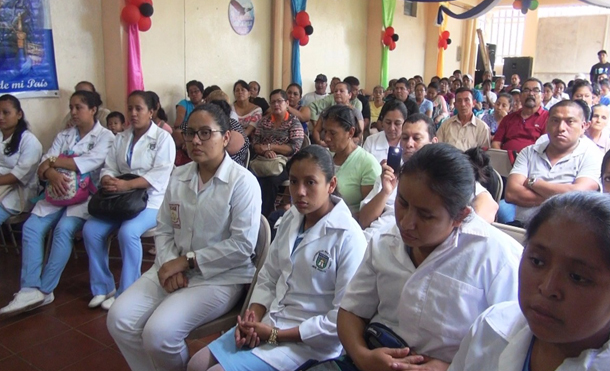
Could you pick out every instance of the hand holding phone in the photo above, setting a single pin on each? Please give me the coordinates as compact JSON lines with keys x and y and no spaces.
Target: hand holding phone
{"x":395,"y":159}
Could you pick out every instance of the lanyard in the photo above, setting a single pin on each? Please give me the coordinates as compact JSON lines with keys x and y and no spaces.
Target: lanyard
{"x":130,"y":151}
{"x":300,"y":236}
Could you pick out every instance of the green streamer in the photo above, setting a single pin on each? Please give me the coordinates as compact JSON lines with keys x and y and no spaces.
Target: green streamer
{"x":388,"y":7}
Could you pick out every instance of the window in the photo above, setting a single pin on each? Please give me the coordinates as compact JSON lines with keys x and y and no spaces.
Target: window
{"x":504,"y":27}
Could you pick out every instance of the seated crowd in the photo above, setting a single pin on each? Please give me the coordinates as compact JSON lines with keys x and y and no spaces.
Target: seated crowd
{"x":384,"y":254}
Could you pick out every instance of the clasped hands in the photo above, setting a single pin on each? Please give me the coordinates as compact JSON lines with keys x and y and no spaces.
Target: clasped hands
{"x":112,"y":184}
{"x":171,"y":274}
{"x":250,"y":331}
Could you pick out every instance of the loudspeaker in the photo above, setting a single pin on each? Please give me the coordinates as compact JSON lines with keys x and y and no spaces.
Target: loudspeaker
{"x":491,"y":51}
{"x":521,"y":66}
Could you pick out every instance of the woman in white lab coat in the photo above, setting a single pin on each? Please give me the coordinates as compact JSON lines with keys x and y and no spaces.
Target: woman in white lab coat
{"x":206,"y":234}
{"x":146,"y":150}
{"x":429,"y":276}
{"x":20,"y":153}
{"x":562,"y":319}
{"x":84,"y":148}
{"x":293,"y":309}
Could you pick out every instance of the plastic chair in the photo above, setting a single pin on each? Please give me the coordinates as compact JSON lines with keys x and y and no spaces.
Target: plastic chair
{"x":228,"y":320}
{"x":499,"y":160}
{"x":515,"y":232}
{"x":497,"y":195}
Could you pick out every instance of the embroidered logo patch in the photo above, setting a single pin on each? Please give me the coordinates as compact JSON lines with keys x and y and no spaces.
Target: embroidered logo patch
{"x":322,"y":261}
{"x":90,"y":146}
{"x":152,"y":146}
{"x":174,"y":212}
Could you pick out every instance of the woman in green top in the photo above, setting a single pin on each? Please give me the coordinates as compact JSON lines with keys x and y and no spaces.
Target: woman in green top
{"x":355,"y":168}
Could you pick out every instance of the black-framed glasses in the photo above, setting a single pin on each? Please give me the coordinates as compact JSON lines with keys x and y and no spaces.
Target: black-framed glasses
{"x":202,"y":134}
{"x":277,"y":101}
{"x":528,"y":90}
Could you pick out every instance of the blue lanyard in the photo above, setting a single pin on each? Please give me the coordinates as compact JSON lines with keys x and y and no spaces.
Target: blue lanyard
{"x":130,"y":151}
{"x":528,"y":358}
{"x":300,"y":236}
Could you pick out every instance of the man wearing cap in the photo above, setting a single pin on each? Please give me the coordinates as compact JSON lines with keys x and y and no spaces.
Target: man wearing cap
{"x":603,"y":67}
{"x":468,"y":82}
{"x":523,"y":127}
{"x":319,"y":93}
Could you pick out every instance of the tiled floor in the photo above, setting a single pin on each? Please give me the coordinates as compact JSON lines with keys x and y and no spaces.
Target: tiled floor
{"x":65,"y":335}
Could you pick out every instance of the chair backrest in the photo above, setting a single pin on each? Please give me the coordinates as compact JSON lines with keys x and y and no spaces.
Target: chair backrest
{"x":497,"y":195}
{"x":515,"y":232}
{"x":306,"y":142}
{"x":247,"y":158}
{"x":262,"y":247}
{"x":499,"y":160}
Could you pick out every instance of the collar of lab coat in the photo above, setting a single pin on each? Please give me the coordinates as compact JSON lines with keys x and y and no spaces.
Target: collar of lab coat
{"x":95,"y":131}
{"x":335,"y":219}
{"x":192,"y":176}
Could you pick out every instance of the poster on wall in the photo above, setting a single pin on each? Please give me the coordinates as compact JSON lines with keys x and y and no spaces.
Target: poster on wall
{"x":241,"y":16}
{"x":27,"y":58}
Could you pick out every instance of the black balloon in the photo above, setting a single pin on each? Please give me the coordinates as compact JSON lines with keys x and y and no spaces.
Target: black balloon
{"x":395,"y":37}
{"x":448,"y":41}
{"x":146,"y":9}
{"x":308,"y":30}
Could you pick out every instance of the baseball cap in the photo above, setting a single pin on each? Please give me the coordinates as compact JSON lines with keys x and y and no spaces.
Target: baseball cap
{"x":469,"y":77}
{"x":321,"y":77}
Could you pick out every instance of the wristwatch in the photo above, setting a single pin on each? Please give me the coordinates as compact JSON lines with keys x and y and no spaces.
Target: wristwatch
{"x":190,"y":258}
{"x":530,"y":182}
{"x":273,"y":337}
{"x":52,"y":160}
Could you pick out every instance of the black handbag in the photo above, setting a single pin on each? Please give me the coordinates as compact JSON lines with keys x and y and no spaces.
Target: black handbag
{"x":118,"y":205}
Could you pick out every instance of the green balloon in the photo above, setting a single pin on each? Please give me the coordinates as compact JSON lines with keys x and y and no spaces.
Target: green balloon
{"x":534,"y":5}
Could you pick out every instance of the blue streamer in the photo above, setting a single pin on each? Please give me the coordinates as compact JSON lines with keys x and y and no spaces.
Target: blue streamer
{"x":482,"y":8}
{"x":297,"y":6}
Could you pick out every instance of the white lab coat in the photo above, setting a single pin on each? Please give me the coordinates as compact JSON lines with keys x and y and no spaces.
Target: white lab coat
{"x":475,"y":268}
{"x":23,"y":164}
{"x":304,"y":287}
{"x":499,"y":341}
{"x":219,"y":224}
{"x":91,"y":151}
{"x":152,"y":158}
{"x":377,"y":145}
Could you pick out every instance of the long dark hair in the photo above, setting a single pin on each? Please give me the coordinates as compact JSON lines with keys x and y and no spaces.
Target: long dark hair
{"x":22,"y":125}
{"x":321,"y":156}
{"x":157,"y":104}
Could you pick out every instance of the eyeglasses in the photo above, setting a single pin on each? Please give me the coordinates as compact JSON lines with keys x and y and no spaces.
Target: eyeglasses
{"x":203,"y":134}
{"x":528,"y":90}
{"x":277,"y":101}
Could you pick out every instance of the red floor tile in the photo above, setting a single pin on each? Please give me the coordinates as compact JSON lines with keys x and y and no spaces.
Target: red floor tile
{"x":60,"y":351}
{"x":4,"y":353}
{"x":31,"y":331}
{"x":76,"y":312}
{"x":97,"y":330}
{"x":106,"y":360}
{"x":15,"y":363}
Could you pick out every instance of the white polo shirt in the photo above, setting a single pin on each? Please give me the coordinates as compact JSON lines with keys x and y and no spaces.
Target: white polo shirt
{"x":377,"y":145}
{"x":584,"y":161}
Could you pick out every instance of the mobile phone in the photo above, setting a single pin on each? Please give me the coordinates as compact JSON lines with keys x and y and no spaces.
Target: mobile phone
{"x":395,"y":158}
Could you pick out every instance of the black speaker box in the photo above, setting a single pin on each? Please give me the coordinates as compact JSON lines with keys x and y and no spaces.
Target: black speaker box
{"x":521,"y":66}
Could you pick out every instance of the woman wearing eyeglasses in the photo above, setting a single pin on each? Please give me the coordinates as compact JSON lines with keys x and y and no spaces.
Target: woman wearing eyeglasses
{"x":278,"y":134}
{"x":145,"y":150}
{"x":206,"y":233}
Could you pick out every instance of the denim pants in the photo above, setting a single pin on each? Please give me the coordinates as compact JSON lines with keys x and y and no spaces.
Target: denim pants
{"x":33,"y":274}
{"x":95,"y":235}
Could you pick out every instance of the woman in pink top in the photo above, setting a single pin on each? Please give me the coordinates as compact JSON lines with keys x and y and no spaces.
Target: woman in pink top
{"x":159,"y":115}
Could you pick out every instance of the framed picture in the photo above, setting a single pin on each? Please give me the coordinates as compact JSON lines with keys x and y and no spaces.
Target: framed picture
{"x":410,"y":8}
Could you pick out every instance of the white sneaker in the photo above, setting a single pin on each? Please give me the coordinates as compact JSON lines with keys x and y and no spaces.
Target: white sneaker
{"x":24,"y":301}
{"x":99,"y":299}
{"x":106,"y":304}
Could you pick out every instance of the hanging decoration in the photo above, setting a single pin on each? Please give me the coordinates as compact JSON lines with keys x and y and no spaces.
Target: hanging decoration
{"x":389,"y":42}
{"x":477,"y":11}
{"x":525,"y":5}
{"x":390,"y":38}
{"x":302,"y":28}
{"x":138,"y":12}
{"x":443,"y":42}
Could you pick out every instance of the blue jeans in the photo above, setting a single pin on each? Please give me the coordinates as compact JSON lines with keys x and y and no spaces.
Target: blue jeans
{"x":6,"y":213}
{"x":95,"y":235}
{"x":34,"y":231}
{"x":506,"y":212}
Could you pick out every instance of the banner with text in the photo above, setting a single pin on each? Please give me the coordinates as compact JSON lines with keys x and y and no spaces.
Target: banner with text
{"x":27,"y":58}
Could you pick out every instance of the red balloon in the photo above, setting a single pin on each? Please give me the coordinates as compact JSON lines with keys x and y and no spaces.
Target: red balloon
{"x":304,"y":40}
{"x":144,"y":24}
{"x":392,"y":45}
{"x":389,"y":31}
{"x":298,"y":33}
{"x":387,"y":40}
{"x":302,"y":18}
{"x":130,"y":14}
{"x":445,"y":34}
{"x":517,"y":5}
